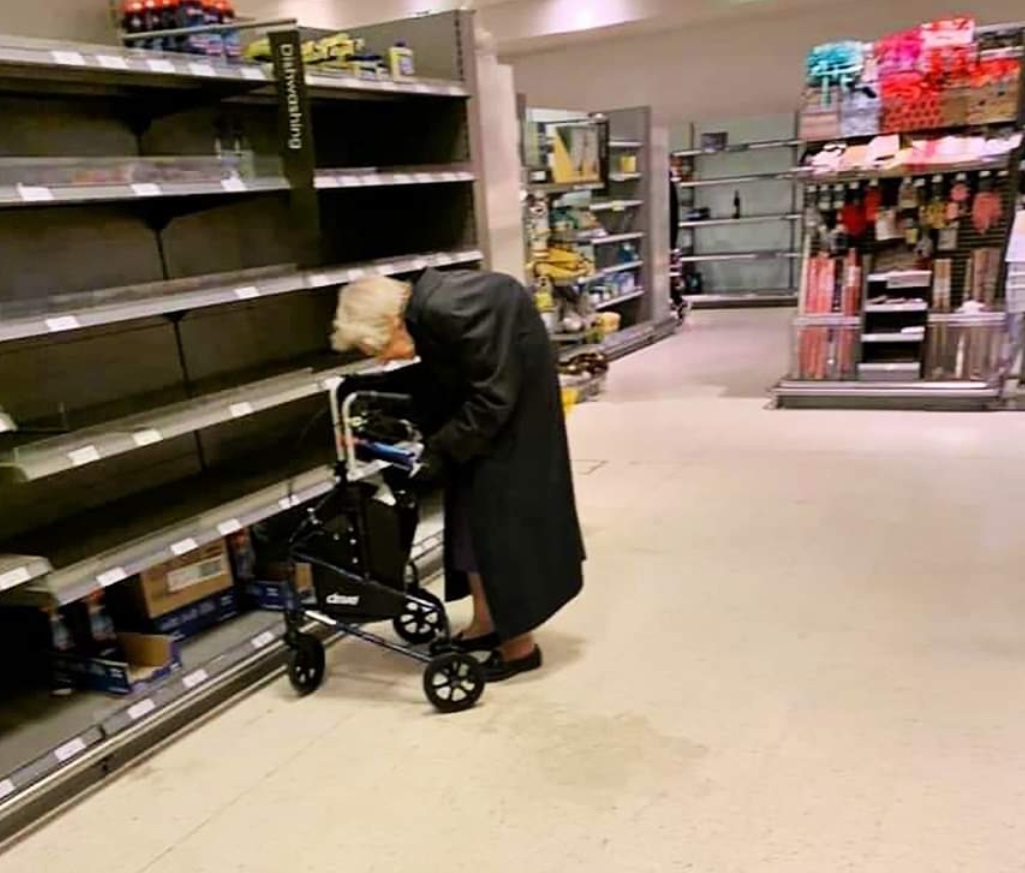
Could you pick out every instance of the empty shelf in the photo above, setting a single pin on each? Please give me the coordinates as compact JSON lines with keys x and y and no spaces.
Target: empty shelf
{"x":625,"y":177}
{"x":916,"y":337}
{"x":626,"y":144}
{"x":739,"y":147}
{"x":379,"y":179}
{"x":619,"y":268}
{"x":616,"y":205}
{"x":748,"y":219}
{"x":16,"y":570}
{"x":177,"y":296}
{"x":907,"y":306}
{"x":786,"y":176}
{"x":611,"y":239}
{"x":740,"y":256}
{"x":622,"y":298}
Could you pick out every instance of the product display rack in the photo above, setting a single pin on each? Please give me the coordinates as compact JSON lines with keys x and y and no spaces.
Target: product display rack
{"x":747,"y":259}
{"x":920,"y":325}
{"x":159,"y":382}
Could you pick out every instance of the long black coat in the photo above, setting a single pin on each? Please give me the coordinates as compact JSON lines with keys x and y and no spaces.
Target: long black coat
{"x":494,"y":413}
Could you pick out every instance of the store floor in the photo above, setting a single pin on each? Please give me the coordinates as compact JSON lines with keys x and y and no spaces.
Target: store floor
{"x":801,"y":648}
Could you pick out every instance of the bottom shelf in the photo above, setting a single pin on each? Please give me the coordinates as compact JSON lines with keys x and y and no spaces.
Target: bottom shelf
{"x":742,"y":299}
{"x":794,"y":394}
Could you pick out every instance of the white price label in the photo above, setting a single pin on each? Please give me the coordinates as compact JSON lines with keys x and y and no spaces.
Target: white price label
{"x":373,"y":180}
{"x":226,"y":528}
{"x":253,"y":74}
{"x":403,"y":179}
{"x":422,"y":89}
{"x":69,"y":750}
{"x":424,"y":178}
{"x":147,"y":189}
{"x":357,"y":273}
{"x":35,"y":194}
{"x":147,"y":437}
{"x":455,"y":90}
{"x":183,"y":547}
{"x":6,"y":788}
{"x":349,"y":181}
{"x":202,"y":70}
{"x":12,"y":578}
{"x":247,"y":293}
{"x":141,"y":709}
{"x":619,"y":207}
{"x":84,"y":455}
{"x":238,"y":410}
{"x":386,"y":269}
{"x":263,"y":640}
{"x":234,"y":184}
{"x":160,"y":65}
{"x":112,"y":62}
{"x":194,"y":679}
{"x":318,"y":280}
{"x":289,"y":502}
{"x":328,"y":182}
{"x":111,"y":577}
{"x":61,"y":322}
{"x":419,"y":264}
{"x":68,"y":59}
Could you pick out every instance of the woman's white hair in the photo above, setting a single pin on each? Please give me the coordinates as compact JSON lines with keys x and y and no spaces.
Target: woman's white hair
{"x":366,"y":313}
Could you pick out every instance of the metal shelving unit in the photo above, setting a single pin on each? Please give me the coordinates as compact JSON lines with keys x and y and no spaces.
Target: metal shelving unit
{"x":748,"y":257}
{"x":160,"y":372}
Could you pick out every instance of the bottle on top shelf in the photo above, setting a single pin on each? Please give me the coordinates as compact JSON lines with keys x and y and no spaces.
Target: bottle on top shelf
{"x":736,"y":204}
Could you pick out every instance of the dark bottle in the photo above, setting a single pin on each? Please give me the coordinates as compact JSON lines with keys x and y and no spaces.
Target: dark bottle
{"x":736,"y":204}
{"x":133,"y":20}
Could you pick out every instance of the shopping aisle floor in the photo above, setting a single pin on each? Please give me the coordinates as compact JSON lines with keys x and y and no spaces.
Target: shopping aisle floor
{"x":801,"y":648}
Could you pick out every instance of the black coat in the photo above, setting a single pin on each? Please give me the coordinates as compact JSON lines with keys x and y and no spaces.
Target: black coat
{"x":493,"y":411}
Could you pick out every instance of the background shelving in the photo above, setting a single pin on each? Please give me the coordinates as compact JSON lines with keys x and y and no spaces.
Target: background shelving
{"x":745,"y":260}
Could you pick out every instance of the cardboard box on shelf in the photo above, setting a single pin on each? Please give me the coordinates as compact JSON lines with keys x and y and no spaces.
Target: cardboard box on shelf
{"x":199,"y":616}
{"x":181,"y":582}
{"x":143,"y":661}
{"x":272,"y":593}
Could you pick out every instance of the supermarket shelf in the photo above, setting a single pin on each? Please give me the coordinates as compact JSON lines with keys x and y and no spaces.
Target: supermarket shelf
{"x":999,"y":163}
{"x":740,"y":256}
{"x":611,"y":239}
{"x":917,"y":337}
{"x":625,"y":177}
{"x":749,"y":219}
{"x":58,"y":195}
{"x":619,"y":268}
{"x":118,"y":67}
{"x":616,"y":205}
{"x":622,"y":298}
{"x":626,"y":144}
{"x":795,"y":394}
{"x":17,"y":570}
{"x":741,"y":299}
{"x":178,"y":296}
{"x":80,"y":740}
{"x":968,"y":319}
{"x":748,"y":178}
{"x":909,"y":306}
{"x":739,"y":147}
{"x":899,"y":279}
{"x":341,"y":178}
{"x":78,"y":580}
{"x":77,"y":449}
{"x":563,"y":187}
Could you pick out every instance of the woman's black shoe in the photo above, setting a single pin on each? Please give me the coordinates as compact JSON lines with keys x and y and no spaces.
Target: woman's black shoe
{"x":459,"y":643}
{"x":497,"y":669}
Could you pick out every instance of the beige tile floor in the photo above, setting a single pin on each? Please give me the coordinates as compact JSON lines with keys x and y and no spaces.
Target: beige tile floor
{"x":801,"y":649}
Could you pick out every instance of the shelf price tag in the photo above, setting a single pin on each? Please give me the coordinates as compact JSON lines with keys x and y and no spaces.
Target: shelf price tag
{"x":326,"y":182}
{"x":226,"y":528}
{"x":239,"y":410}
{"x":356,"y":273}
{"x":421,"y":88}
{"x":69,"y":749}
{"x":35,"y":194}
{"x":247,"y":293}
{"x":253,"y":74}
{"x":195,"y":679}
{"x":263,"y":640}
{"x":147,"y":189}
{"x":6,"y":788}
{"x":319,"y":280}
{"x":373,"y":180}
{"x":147,"y":437}
{"x":61,"y":322}
{"x":141,"y":709}
{"x":234,"y":184}
{"x":111,"y":577}
{"x":418,"y":264}
{"x":424,"y":178}
{"x":183,"y":547}
{"x":203,"y":70}
{"x":386,"y":269}
{"x":289,"y":502}
{"x":112,"y":62}
{"x":160,"y":65}
{"x":68,"y":59}
{"x":84,"y":455}
{"x":388,"y":85}
{"x":13,"y":578}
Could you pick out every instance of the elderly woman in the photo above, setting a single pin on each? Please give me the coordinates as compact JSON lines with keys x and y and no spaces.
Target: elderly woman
{"x":489,"y":401}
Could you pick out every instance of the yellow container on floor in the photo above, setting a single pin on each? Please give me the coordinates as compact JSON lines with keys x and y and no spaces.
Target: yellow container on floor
{"x":569,"y":398}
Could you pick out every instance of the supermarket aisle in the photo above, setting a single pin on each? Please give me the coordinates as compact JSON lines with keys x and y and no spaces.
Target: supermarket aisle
{"x":800,"y":649}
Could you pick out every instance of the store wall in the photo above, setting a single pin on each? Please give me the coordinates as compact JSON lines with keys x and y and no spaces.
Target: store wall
{"x":83,"y":20}
{"x":749,"y":64}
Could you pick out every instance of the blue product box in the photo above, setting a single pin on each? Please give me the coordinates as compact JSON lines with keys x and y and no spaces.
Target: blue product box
{"x":148,"y":659}
{"x":190,"y":620}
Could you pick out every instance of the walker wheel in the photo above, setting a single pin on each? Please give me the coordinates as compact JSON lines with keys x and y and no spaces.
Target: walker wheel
{"x":454,"y":682}
{"x":420,"y":623}
{"x":306,"y":663}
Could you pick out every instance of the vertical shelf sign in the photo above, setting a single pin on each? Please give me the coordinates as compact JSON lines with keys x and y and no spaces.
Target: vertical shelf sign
{"x":298,"y":154}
